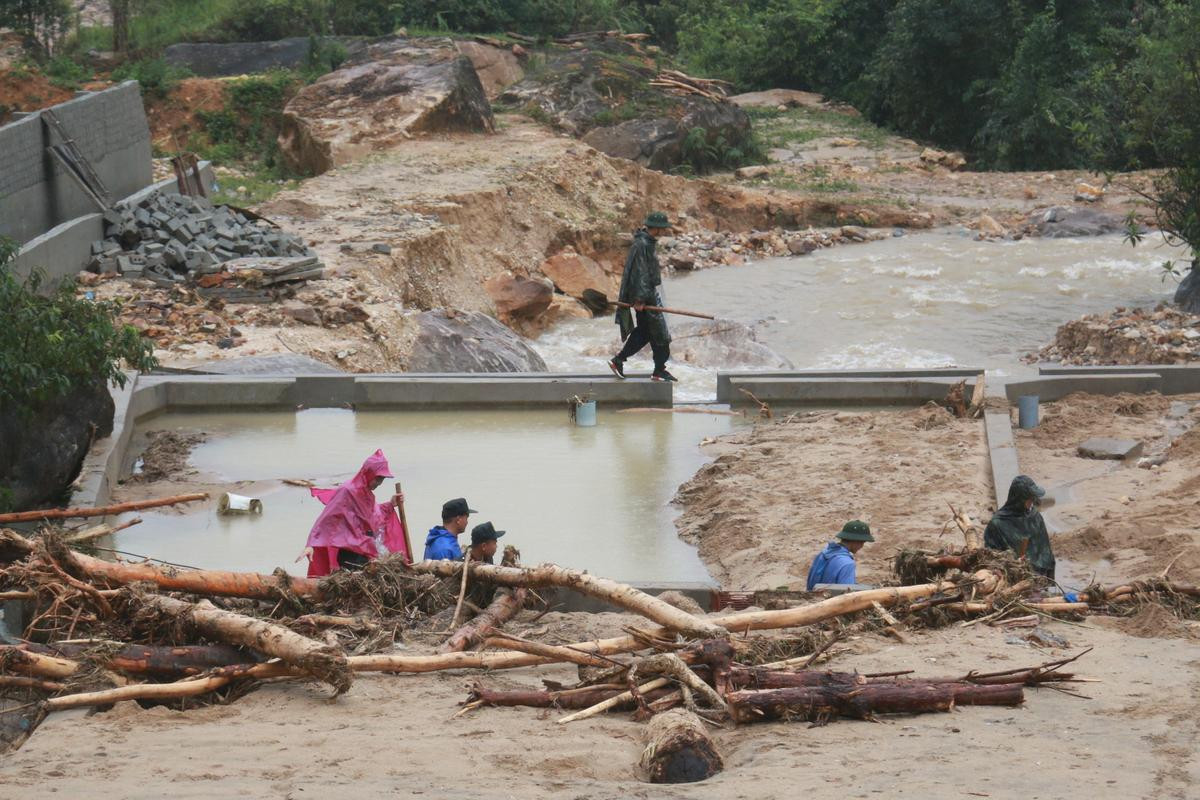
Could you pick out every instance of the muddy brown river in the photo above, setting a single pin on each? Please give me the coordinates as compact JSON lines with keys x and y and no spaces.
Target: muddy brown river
{"x":922,"y":300}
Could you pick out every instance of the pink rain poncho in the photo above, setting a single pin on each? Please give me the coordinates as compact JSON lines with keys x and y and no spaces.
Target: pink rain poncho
{"x":352,"y":518}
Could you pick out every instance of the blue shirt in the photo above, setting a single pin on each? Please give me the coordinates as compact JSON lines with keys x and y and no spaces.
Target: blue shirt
{"x":441,"y":545}
{"x":834,"y":564}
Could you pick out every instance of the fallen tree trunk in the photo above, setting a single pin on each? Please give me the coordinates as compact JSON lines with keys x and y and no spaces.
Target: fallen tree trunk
{"x":140,"y":691}
{"x":678,"y":749}
{"x":502,"y":609}
{"x":215,"y":583}
{"x":100,"y":511}
{"x":566,"y":700}
{"x":610,"y":591}
{"x":823,"y":703}
{"x":101,"y":530}
{"x":153,"y":659}
{"x":568,"y":654}
{"x":305,"y":655}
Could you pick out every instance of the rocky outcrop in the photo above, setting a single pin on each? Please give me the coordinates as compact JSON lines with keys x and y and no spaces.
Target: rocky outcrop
{"x":722,"y":344}
{"x":41,"y":454}
{"x":497,"y":68}
{"x":573,"y":273}
{"x":397,"y":88}
{"x":444,"y":340}
{"x":1061,"y":222}
{"x":602,"y":94}
{"x":518,"y":297}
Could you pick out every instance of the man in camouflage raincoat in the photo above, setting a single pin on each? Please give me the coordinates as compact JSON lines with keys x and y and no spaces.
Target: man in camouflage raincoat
{"x":1018,"y":526}
{"x":640,"y":288}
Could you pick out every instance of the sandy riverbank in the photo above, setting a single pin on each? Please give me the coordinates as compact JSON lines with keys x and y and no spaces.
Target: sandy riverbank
{"x":1134,"y":738}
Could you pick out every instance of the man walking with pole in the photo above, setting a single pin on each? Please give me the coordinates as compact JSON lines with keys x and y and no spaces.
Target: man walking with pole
{"x":640,"y":288}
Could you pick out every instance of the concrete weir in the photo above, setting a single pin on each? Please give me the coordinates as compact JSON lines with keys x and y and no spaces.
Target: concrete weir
{"x":147,"y":395}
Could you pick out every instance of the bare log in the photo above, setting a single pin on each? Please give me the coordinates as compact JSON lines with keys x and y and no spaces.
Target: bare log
{"x":100,"y":511}
{"x":822,"y":703}
{"x":139,"y":691}
{"x":502,"y":609}
{"x":15,"y":659}
{"x":566,"y":700}
{"x":610,"y":591}
{"x":568,"y":654}
{"x":152,"y":659}
{"x":96,"y":532}
{"x":24,"y":682}
{"x":678,"y":750}
{"x":318,"y":660}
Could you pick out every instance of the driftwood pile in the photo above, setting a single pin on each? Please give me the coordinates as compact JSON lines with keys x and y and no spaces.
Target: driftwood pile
{"x":97,"y":632}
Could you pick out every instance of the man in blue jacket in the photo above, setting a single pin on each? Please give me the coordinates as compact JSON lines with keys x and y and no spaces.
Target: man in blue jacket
{"x":835,"y":564}
{"x":442,"y":541}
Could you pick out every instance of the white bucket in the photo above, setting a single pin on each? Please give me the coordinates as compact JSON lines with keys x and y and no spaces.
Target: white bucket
{"x":237,"y":504}
{"x":585,"y":413}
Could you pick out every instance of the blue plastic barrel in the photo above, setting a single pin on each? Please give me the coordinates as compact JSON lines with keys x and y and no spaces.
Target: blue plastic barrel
{"x":1027,"y":411}
{"x":585,"y":414}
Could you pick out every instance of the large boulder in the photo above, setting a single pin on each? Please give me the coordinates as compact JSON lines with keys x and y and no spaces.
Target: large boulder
{"x":602,"y":94}
{"x":1061,"y":222}
{"x":397,"y":88}
{"x":497,"y":67}
{"x":40,"y":454}
{"x":723,"y":344}
{"x":572,"y":273}
{"x":518,"y":297}
{"x":456,"y":341}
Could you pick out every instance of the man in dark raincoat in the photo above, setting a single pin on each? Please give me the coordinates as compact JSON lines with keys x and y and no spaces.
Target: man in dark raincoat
{"x":639,"y":288}
{"x":1018,"y":526}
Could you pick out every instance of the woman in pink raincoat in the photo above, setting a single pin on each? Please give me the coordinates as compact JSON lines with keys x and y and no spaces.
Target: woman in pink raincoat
{"x":347,"y":534}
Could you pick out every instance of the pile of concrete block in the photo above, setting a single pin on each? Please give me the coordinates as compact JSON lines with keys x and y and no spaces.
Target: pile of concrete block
{"x":169,"y":238}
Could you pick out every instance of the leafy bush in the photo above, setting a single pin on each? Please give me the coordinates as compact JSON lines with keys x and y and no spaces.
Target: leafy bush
{"x":156,"y":76}
{"x":247,"y":127}
{"x":533,"y":17}
{"x":66,"y":73}
{"x":53,"y":343}
{"x":703,"y":153}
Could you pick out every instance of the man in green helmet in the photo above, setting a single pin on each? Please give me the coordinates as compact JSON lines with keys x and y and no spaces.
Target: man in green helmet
{"x":640,"y":288}
{"x":835,"y":564}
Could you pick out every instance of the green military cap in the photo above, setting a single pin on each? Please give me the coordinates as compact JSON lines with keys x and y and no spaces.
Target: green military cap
{"x":856,"y":531}
{"x":657,"y":219}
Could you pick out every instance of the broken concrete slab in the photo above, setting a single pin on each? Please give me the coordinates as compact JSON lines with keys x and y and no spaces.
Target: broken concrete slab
{"x":1104,"y":448}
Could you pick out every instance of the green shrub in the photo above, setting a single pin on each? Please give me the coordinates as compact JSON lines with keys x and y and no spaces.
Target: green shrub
{"x":247,"y":127}
{"x":51,"y":344}
{"x":703,"y":152}
{"x":156,"y":76}
{"x":66,"y":73}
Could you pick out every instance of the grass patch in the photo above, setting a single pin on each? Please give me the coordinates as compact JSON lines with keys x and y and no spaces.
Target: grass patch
{"x":798,"y":126}
{"x":261,"y":184}
{"x":165,"y":22}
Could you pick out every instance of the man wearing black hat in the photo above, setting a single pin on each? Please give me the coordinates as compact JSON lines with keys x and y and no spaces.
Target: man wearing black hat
{"x":442,"y":541}
{"x":835,"y":564}
{"x":640,"y":288}
{"x":483,"y":542}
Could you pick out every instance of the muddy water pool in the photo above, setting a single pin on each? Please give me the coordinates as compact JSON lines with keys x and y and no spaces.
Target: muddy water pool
{"x":594,"y":498}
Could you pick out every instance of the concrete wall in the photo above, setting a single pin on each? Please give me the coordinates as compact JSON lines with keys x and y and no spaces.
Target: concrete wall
{"x":1175,"y":378}
{"x":1052,"y":388}
{"x":727,"y":393}
{"x":841,"y":391}
{"x":65,"y":249}
{"x":108,"y":127}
